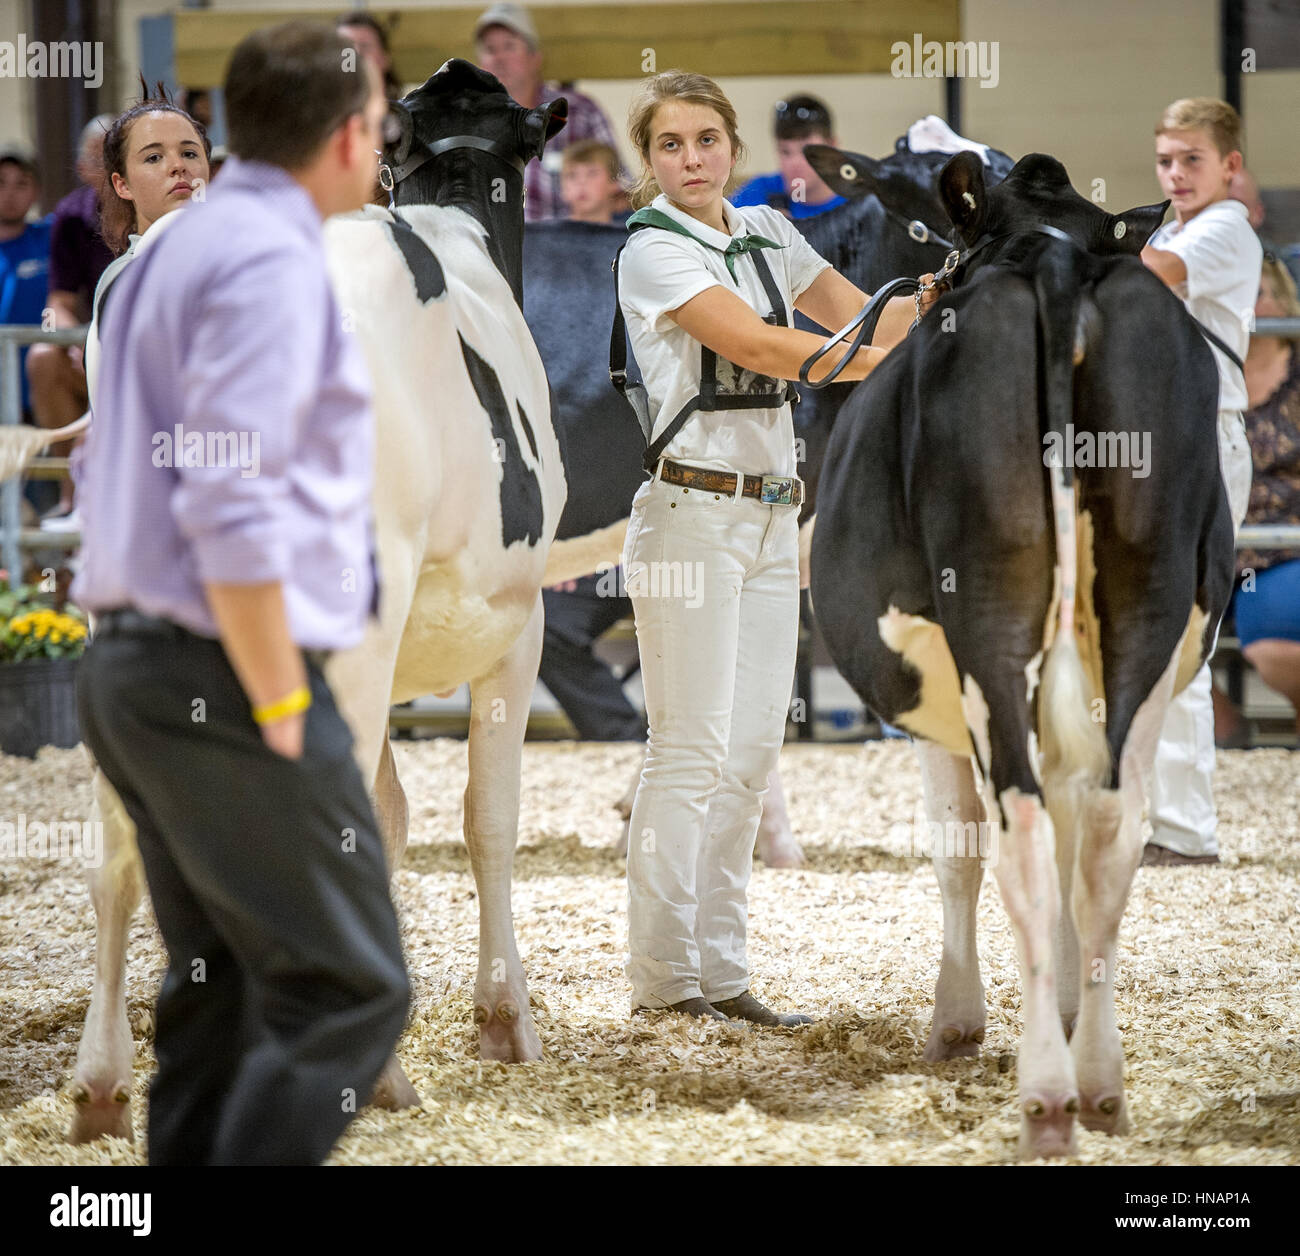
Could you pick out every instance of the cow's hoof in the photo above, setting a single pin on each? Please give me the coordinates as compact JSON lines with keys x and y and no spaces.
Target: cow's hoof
{"x":393,"y":1091}
{"x":1104,"y":1113}
{"x":506,"y":1033}
{"x":1047,"y":1126}
{"x":953,"y":1042}
{"x":100,"y":1112}
{"x":781,"y":851}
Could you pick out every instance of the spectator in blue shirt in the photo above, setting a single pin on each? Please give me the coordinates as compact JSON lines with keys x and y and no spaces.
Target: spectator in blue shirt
{"x":796,"y":189}
{"x":24,"y":246}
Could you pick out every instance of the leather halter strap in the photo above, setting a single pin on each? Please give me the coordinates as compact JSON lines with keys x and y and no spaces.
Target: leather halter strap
{"x":395,"y":174}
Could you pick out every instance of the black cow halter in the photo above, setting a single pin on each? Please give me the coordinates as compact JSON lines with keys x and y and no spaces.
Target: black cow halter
{"x":391,"y":176}
{"x":866,"y":319}
{"x":917,"y":230}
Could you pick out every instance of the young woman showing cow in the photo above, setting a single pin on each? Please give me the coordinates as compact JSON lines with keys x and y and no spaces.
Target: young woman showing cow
{"x":711,"y":556}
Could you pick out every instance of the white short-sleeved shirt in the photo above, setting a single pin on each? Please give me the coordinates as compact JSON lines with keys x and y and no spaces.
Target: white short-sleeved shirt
{"x":1223,"y":258}
{"x":660,"y":271}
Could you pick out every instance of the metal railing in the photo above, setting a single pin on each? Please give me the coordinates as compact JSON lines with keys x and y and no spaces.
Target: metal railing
{"x":1288,"y":328}
{"x":12,"y":338}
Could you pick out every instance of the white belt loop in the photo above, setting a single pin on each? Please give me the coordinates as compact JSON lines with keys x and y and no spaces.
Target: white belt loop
{"x":659,"y":472}
{"x":740,"y":487}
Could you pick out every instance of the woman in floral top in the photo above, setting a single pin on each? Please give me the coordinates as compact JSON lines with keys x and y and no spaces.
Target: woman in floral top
{"x":1267,"y":600}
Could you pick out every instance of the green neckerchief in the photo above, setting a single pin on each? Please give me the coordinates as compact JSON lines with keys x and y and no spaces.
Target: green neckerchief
{"x":651,"y":217}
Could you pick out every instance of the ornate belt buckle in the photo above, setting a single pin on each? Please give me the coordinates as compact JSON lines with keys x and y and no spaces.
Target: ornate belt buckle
{"x":777,"y":490}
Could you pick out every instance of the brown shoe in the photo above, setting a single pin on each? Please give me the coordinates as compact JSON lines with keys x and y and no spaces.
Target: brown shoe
{"x":746,"y":1007}
{"x":1154,"y":856}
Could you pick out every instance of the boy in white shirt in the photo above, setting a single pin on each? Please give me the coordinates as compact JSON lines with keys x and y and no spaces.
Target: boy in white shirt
{"x":1209,"y":256}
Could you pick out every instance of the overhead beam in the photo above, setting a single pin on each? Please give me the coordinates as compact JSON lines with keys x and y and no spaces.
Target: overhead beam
{"x":620,"y":41}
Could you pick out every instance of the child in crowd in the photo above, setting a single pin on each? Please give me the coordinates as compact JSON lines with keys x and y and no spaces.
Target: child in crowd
{"x":589,"y":183}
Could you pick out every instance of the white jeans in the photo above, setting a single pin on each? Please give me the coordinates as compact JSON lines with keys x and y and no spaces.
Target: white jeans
{"x":1182,"y":811}
{"x":715,"y":586}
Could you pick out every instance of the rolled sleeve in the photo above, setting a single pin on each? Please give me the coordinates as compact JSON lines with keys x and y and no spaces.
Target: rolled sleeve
{"x":250,"y":376}
{"x":661,"y":272}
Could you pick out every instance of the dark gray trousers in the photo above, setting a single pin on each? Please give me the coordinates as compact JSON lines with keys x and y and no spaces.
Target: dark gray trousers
{"x":584,"y":686}
{"x":286,"y":989}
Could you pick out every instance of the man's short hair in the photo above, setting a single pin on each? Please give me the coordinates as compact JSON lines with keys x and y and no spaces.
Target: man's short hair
{"x":1204,"y":113}
{"x":288,"y":87}
{"x":800,"y":116}
{"x":597,"y":152}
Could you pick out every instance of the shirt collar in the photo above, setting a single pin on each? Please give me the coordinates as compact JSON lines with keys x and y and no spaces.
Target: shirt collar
{"x":276,"y":184}
{"x":1232,"y":206}
{"x":701,"y":230}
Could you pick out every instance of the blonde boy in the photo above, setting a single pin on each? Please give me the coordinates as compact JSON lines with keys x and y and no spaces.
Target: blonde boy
{"x":1209,"y":256}
{"x":589,"y":183}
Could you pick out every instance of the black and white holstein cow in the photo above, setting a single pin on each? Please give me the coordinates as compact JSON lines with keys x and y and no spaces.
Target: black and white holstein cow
{"x":1031,"y":619}
{"x":469,"y":487}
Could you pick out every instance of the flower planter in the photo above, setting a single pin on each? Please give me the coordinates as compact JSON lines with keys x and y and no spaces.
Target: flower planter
{"x":38,"y":705}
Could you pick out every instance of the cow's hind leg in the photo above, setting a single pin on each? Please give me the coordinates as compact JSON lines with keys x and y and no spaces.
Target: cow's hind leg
{"x":1028,"y":882}
{"x":1109,"y":853}
{"x":101,"y":1088}
{"x":951,"y":802}
{"x":777,"y":847}
{"x":499,"y":704}
{"x":393,"y":1089}
{"x":1065,"y":806}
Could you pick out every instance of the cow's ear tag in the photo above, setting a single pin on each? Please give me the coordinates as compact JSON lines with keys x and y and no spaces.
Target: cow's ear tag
{"x":969,"y":199}
{"x":848,"y":172}
{"x":1121,"y":229}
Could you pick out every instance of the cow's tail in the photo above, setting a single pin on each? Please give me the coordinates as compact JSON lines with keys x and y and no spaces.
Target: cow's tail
{"x":585,"y":555}
{"x":1071,"y":728}
{"x":19,"y":445}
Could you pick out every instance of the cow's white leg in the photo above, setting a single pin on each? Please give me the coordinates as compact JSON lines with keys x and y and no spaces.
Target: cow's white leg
{"x":777,"y":847}
{"x":1027,"y":880}
{"x":1065,"y":806}
{"x":951,"y":799}
{"x":101,"y":1086}
{"x":499,"y":704}
{"x":1109,"y":853}
{"x":393,"y":1089}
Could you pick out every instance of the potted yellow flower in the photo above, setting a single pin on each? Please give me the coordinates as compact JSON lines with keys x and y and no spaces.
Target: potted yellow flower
{"x":39,"y":649}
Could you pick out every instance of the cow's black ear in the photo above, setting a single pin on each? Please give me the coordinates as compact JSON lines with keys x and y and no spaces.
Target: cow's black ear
{"x":554,"y":114}
{"x":400,"y":149}
{"x":1129,"y":232}
{"x":964,"y":195}
{"x":850,"y":175}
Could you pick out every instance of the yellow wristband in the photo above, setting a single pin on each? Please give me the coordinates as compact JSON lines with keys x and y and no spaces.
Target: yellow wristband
{"x":294,"y":701}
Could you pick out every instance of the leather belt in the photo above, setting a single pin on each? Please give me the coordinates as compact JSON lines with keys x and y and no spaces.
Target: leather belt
{"x":126,"y":621}
{"x":771,"y":490}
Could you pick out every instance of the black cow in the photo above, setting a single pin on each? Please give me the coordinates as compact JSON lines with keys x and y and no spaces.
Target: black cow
{"x":944,"y":577}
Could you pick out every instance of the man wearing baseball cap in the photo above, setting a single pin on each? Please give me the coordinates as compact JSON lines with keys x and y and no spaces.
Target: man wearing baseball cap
{"x":506,"y":44}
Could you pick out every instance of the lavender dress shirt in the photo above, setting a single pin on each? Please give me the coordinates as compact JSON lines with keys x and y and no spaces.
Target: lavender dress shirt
{"x":233,"y":437}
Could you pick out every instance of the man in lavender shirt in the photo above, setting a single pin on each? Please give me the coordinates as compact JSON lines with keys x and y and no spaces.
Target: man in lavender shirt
{"x":226,"y":493}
